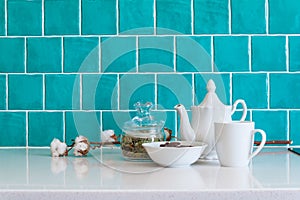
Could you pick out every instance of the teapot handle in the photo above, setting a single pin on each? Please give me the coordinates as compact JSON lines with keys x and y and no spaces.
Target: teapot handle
{"x":241,"y":101}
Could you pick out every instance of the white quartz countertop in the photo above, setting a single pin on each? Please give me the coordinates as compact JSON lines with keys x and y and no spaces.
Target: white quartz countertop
{"x":104,"y":174}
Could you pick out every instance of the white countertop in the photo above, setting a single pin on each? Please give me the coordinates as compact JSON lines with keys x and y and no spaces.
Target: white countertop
{"x":104,"y":174}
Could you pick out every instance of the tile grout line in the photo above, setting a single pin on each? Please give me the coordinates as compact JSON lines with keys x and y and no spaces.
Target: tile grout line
{"x":6,"y":17}
{"x":99,"y":56}
{"x":288,"y":124}
{"x":62,"y":54}
{"x":267,"y":16}
{"x":212,"y":53}
{"x":137,"y":54}
{"x":44,"y":91}
{"x":193,"y":89}
{"x":117,"y":17}
{"x":80,"y":92}
{"x":64,"y":125}
{"x":79,"y":18}
{"x":25,"y":54}
{"x":192,"y":17}
{"x":268,"y":90}
{"x":27,"y":129}
{"x":229,"y":17}
{"x":231,"y":89}
{"x":174,"y":56}
{"x":43,"y":17}
{"x":118,"y":92}
{"x":155,"y":91}
{"x":154,"y":17}
{"x":250,"y":53}
{"x":6,"y":92}
{"x":287,"y":53}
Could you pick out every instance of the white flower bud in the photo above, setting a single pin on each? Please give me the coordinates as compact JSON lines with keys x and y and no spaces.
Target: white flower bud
{"x":108,"y":136}
{"x":81,"y":146}
{"x":58,"y":148}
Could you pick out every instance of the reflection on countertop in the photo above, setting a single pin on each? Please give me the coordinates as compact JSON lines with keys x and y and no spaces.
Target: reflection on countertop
{"x":105,"y":169}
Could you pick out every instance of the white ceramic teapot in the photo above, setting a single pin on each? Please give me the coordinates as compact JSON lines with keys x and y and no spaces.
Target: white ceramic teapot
{"x":204,"y":115}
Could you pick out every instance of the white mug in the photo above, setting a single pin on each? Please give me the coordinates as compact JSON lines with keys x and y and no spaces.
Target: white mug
{"x":234,"y":142}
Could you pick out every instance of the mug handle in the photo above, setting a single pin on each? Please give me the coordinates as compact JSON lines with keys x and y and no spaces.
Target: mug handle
{"x":262,"y":143}
{"x":241,"y":101}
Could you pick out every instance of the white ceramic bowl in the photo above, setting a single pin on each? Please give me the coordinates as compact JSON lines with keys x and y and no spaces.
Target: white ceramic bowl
{"x":174,"y":156}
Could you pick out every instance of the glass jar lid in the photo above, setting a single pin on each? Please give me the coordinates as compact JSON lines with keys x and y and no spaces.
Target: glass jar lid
{"x":143,"y":122}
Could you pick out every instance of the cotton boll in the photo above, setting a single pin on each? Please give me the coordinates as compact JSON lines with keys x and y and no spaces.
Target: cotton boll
{"x":108,"y":136}
{"x":58,"y":148}
{"x":81,"y":146}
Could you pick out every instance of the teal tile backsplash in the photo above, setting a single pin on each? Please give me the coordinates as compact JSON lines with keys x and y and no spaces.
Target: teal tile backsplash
{"x":70,"y":67}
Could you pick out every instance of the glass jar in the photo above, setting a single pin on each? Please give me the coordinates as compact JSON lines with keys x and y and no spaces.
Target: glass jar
{"x":141,"y":129}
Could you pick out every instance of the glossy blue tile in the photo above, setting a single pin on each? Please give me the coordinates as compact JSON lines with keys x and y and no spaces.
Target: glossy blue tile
{"x":193,"y":54}
{"x":222,"y":82}
{"x":294,"y":126}
{"x":61,"y":17}
{"x":24,"y":17}
{"x":284,"y":16}
{"x":81,"y":54}
{"x":265,"y":120}
{"x":252,"y":88}
{"x":268,"y":53}
{"x":2,"y":17}
{"x":99,"y":92}
{"x":62,"y":92}
{"x":231,"y":53}
{"x":12,"y":55}
{"x":136,"y":16}
{"x":283,"y":90}
{"x":237,"y":115}
{"x":136,"y":87}
{"x":14,"y":124}
{"x":118,"y":54}
{"x":168,"y":92}
{"x":44,"y":55}
{"x":43,"y":127}
{"x":2,"y":92}
{"x":173,"y":17}
{"x":248,"y":17}
{"x":115,"y":120}
{"x":98,"y":17}
{"x":82,"y":123}
{"x":211,"y":16}
{"x":156,"y":54}
{"x":294,"y":52}
{"x":25,"y":92}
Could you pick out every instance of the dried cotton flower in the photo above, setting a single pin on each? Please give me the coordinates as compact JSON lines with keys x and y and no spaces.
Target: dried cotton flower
{"x":108,"y":136}
{"x":58,"y":148}
{"x":81,"y":146}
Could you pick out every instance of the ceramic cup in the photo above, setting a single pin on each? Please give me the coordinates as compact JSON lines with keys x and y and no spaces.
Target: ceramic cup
{"x":234,"y":142}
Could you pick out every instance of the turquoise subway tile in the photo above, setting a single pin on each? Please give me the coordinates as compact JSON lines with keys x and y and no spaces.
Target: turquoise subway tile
{"x":136,"y":16}
{"x":252,"y":88}
{"x":284,"y":90}
{"x":169,"y":117}
{"x":118,"y":54}
{"x":81,"y":54}
{"x":173,"y":17}
{"x":294,"y":52}
{"x":266,"y":120}
{"x":2,"y":92}
{"x":211,"y":16}
{"x":115,"y":120}
{"x":284,"y":16}
{"x":168,"y":92}
{"x":24,"y":17}
{"x":136,"y":87}
{"x":62,"y":92}
{"x":193,"y":54}
{"x":43,"y":127}
{"x":222,"y":82}
{"x":12,"y":55}
{"x":2,"y":17}
{"x":44,"y":55}
{"x":98,"y":17}
{"x":13,"y":126}
{"x":99,"y":92}
{"x":82,"y":123}
{"x":231,"y":53}
{"x":25,"y":92}
{"x":237,"y":115}
{"x":248,"y":17}
{"x":61,"y":17}
{"x":268,"y":53}
{"x":156,"y":54}
{"x":294,"y":126}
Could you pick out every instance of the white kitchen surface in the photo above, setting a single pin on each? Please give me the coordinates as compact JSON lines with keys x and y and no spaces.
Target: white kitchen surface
{"x":104,"y":174}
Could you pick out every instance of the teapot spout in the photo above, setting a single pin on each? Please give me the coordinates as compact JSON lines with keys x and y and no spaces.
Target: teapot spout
{"x":186,"y":131}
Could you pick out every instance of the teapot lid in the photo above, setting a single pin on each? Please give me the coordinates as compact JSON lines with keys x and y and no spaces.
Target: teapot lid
{"x":211,"y":99}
